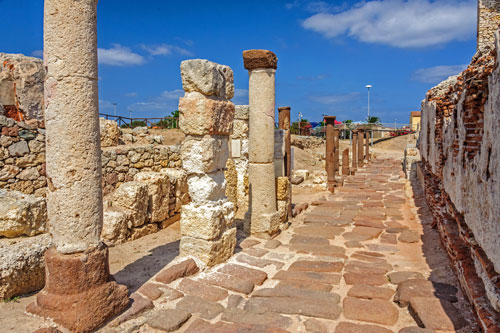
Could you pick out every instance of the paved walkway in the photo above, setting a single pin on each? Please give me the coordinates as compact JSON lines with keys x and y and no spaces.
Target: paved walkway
{"x":354,"y":262}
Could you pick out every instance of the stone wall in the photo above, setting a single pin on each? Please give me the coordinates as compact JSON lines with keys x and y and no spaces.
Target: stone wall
{"x":488,"y":13}
{"x":460,"y":149}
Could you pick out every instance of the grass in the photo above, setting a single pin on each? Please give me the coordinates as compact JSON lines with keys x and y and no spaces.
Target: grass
{"x":12,"y":299}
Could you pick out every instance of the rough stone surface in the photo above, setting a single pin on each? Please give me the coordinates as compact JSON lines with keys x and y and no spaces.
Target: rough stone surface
{"x":21,"y":214}
{"x":158,"y":186}
{"x":210,"y":252}
{"x":206,"y":309}
{"x":345,"y":327}
{"x":200,"y":116}
{"x":436,"y":314}
{"x":132,"y":198}
{"x":169,"y":320}
{"x":207,"y":78}
{"x":370,"y":292}
{"x":290,"y":305}
{"x":256,"y":59}
{"x":374,"y":311}
{"x":174,"y":272}
{"x":110,"y":132}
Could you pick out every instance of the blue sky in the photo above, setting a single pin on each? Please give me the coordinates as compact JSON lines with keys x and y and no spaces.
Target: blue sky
{"x":327,"y":50}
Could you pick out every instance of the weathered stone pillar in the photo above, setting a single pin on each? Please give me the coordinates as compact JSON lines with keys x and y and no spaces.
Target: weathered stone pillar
{"x":336,"y":150}
{"x":360,"y":148}
{"x":345,"y":162}
{"x":354,"y":151}
{"x":329,"y":152}
{"x":206,"y":118}
{"x":284,"y":124}
{"x":79,"y":292}
{"x":263,"y":219}
{"x":367,"y":145}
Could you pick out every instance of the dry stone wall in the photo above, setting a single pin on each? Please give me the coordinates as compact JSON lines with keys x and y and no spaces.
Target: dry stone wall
{"x":460,"y":148}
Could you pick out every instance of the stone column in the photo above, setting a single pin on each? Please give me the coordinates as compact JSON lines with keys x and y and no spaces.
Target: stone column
{"x":284,"y":124}
{"x":354,"y":151}
{"x":336,"y":150}
{"x":367,"y":145}
{"x":329,"y":152}
{"x":206,"y":118}
{"x":345,"y":162}
{"x":360,"y":147}
{"x":79,"y":292}
{"x":263,"y":218}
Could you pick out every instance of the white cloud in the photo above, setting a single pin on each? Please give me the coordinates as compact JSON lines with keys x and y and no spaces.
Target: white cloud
{"x":400,"y":23}
{"x":37,"y":53}
{"x":335,"y":98}
{"x":165,"y":49}
{"x":105,"y":104}
{"x":436,"y":74}
{"x":119,"y":56}
{"x":172,"y":94}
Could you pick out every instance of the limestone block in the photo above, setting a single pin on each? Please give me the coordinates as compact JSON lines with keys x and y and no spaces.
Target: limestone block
{"x":21,"y":214}
{"x":209,"y":252}
{"x":231,"y":181}
{"x":228,"y":210}
{"x":110,"y":132}
{"x":262,"y":190}
{"x":206,"y":221}
{"x":282,"y":188}
{"x":240,"y":129}
{"x":242,"y":112}
{"x":114,"y":226}
{"x":159,"y":194}
{"x":207,"y":187}
{"x":302,"y":173}
{"x":19,"y":149}
{"x":279,"y":143}
{"x":283,"y":210}
{"x":207,"y":78}
{"x":262,"y":224}
{"x":22,"y":267}
{"x":205,"y":155}
{"x":8,"y":172}
{"x":179,"y":178}
{"x":29,"y":174}
{"x":200,"y":116}
{"x":132,"y":197}
{"x":23,"y":78}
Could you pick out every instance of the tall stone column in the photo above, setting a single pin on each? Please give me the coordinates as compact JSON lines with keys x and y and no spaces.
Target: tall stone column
{"x":354,"y":151}
{"x":367,"y":145}
{"x":263,"y":219}
{"x":79,"y":292}
{"x":360,"y":147}
{"x":329,"y":152}
{"x":206,"y":118}
{"x":336,"y":150}
{"x":284,"y":124}
{"x":345,"y":162}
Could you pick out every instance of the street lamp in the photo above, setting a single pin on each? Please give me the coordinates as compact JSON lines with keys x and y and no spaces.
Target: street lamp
{"x":114,"y":109}
{"x":368,"y":86}
{"x":300,"y":119}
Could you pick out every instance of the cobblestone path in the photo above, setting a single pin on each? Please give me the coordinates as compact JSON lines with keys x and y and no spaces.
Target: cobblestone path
{"x":353,"y":262}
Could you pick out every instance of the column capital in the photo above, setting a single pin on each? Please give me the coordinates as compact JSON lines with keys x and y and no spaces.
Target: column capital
{"x":330,"y":120}
{"x":255,"y":59}
{"x":284,"y":108}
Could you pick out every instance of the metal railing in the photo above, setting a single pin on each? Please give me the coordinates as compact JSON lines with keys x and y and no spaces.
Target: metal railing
{"x":126,"y":122}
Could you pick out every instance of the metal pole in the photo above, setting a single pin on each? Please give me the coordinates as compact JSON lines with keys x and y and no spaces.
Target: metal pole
{"x":368,"y":105}
{"x":114,"y":109}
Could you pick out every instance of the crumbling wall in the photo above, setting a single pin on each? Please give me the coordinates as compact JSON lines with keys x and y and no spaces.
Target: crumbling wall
{"x":460,"y":148}
{"x":488,"y":14}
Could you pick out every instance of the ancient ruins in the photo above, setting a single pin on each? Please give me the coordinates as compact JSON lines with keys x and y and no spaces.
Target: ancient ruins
{"x":232,"y":223}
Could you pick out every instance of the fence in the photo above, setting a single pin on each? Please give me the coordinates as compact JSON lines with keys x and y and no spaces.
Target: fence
{"x":126,"y":122}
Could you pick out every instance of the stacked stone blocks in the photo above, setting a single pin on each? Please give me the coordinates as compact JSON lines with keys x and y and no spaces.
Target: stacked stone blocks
{"x":206,"y":118}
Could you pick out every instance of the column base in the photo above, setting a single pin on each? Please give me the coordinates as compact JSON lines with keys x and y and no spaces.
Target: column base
{"x":79,"y":292}
{"x":210,"y":252}
{"x":262,"y":225}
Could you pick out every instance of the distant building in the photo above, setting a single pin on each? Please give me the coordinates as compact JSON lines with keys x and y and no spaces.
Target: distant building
{"x":415,"y":120}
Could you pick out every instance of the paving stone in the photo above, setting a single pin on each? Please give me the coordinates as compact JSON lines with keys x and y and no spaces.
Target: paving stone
{"x":356,"y":237}
{"x":311,"y":277}
{"x":254,"y":252}
{"x":51,"y":329}
{"x":151,"y":291}
{"x":203,"y":326}
{"x":326,"y":211}
{"x":398,"y":277}
{"x":370,"y":292}
{"x":315,"y":326}
{"x":328,"y":232}
{"x":369,"y":223}
{"x":246,"y":243}
{"x":326,"y":220}
{"x":288,"y":291}
{"x":196,"y":288}
{"x":423,"y":288}
{"x":388,"y":239}
{"x":316,"y":266}
{"x":415,"y":329}
{"x":345,"y":327}
{"x":305,"y":285}
{"x":138,"y":306}
{"x":272,"y":244}
{"x":252,"y":261}
{"x":240,"y":316}
{"x":174,"y":272}
{"x":368,"y":258}
{"x":256,"y":276}
{"x":319,"y":250}
{"x":206,"y":309}
{"x":295,"y":306}
{"x":309,"y":240}
{"x":353,"y":244}
{"x":230,"y":282}
{"x":234,"y":301}
{"x":374,"y":311}
{"x":169,"y":320}
{"x":367,"y":267}
{"x":369,"y":231}
{"x":170,"y":294}
{"x":394,"y":224}
{"x":364,"y":278}
{"x":409,"y":236}
{"x":436,"y":314}
{"x":371,"y":254}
